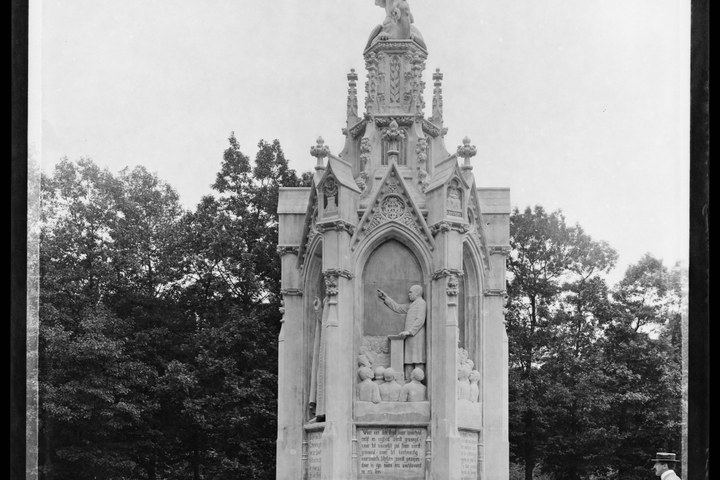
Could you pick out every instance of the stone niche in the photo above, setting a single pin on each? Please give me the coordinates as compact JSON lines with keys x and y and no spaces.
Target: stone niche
{"x":392,"y":268}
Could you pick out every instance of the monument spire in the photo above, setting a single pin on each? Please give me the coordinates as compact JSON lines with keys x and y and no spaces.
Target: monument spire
{"x":393,"y":261}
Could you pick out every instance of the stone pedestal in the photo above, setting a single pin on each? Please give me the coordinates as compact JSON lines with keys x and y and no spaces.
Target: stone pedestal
{"x":397,"y":351}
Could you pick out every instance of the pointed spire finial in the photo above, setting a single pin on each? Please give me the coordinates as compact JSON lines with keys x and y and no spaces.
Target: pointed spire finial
{"x":466,"y":151}
{"x":319,"y":151}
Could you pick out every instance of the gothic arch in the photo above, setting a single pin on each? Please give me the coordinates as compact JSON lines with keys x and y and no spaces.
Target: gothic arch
{"x":471,"y":303}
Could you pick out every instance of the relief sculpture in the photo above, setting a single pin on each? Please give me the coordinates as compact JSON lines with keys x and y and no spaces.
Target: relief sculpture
{"x":317,"y":372}
{"x":414,"y":332}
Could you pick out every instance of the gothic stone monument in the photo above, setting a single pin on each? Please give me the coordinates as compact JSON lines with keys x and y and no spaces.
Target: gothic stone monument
{"x":393,"y":352}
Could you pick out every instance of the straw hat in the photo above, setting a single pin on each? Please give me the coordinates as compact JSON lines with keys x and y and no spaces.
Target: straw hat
{"x":664,"y":457}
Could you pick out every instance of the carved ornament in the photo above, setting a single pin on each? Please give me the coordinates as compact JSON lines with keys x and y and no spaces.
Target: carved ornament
{"x":431,"y":129}
{"x":392,"y":46}
{"x":499,"y":250}
{"x":336,"y":225}
{"x":446,"y":272}
{"x":452,"y":286}
{"x":401,"y":120}
{"x":288,"y":250}
{"x":446,"y":226}
{"x":392,"y":203}
{"x":358,"y":129}
{"x":319,"y":151}
{"x":290,"y":292}
{"x":494,"y":292}
{"x":331,"y":279}
{"x":466,"y":152}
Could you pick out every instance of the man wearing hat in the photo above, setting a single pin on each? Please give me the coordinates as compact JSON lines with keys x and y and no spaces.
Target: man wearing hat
{"x":663,"y":462}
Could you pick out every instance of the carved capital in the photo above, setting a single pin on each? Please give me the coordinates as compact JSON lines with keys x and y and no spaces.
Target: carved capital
{"x":288,"y":250}
{"x":338,"y":272}
{"x":331,"y":279}
{"x":336,"y":225}
{"x":447,"y":272}
{"x":499,"y":249}
{"x":446,"y":226}
{"x":494,"y":292}
{"x":291,"y":292}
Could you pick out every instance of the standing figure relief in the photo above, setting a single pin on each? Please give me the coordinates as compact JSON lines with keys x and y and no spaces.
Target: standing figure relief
{"x":414,"y":332}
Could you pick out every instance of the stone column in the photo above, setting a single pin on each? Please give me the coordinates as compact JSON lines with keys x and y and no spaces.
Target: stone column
{"x":445,"y":336}
{"x":336,"y":461}
{"x":495,"y":392}
{"x":291,"y":369}
{"x":495,"y":204}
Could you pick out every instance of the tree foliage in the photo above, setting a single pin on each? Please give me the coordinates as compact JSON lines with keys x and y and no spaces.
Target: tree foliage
{"x":593,"y":388}
{"x":159,"y":333}
{"x":159,"y":325}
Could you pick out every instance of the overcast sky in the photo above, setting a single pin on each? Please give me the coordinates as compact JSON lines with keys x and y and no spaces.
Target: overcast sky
{"x":579,"y":105}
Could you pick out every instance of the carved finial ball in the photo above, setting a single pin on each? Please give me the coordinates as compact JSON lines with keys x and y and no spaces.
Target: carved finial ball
{"x":320,"y":141}
{"x":466,"y":140}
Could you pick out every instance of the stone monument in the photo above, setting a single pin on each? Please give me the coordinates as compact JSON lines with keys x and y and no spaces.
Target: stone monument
{"x":392,"y":352}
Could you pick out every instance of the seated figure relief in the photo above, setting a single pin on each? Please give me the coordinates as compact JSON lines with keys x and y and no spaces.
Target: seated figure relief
{"x":414,"y":391}
{"x":474,"y":387}
{"x":463,"y":383}
{"x":379,"y":375}
{"x":367,"y":390}
{"x":390,"y":390}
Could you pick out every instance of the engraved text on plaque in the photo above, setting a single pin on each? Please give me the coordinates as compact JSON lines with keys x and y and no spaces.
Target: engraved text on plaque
{"x":391,"y":453}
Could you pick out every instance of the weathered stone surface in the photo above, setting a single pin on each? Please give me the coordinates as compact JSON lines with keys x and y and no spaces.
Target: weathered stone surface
{"x":392,"y":351}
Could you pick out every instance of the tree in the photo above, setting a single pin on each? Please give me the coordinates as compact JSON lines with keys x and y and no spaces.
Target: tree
{"x":233,"y":288}
{"x":557,"y":302}
{"x":642,"y":366}
{"x":105,"y":268}
{"x":594,"y":371}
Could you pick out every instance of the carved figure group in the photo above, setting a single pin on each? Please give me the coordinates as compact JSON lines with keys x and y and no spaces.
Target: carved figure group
{"x":372,"y":388}
{"x":414,"y":332}
{"x":468,"y":378}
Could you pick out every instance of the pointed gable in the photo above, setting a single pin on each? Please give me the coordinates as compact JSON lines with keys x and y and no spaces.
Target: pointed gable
{"x":443,"y":173}
{"x":446,"y":195}
{"x":341,"y":171}
{"x":393,"y":203}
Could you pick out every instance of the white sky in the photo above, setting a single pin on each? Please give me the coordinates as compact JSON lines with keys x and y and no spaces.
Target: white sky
{"x":580,"y":105}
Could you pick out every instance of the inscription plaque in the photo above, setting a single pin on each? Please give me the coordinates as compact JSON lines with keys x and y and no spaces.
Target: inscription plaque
{"x":468,"y":455}
{"x":314,"y":448}
{"x":391,"y":453}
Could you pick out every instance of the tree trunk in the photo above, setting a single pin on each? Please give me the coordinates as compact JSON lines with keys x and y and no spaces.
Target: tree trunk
{"x":529,"y":446}
{"x":196,"y":465}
